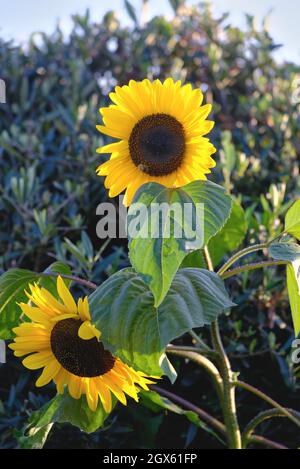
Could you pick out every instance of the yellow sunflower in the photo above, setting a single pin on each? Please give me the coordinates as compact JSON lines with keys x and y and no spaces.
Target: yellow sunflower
{"x":161,"y":128}
{"x":62,"y":340}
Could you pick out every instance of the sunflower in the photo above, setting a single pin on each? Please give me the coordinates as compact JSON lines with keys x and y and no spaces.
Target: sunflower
{"x":62,"y":340}
{"x":161,"y":128}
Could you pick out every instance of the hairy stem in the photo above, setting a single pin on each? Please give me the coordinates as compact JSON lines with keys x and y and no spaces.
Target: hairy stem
{"x":228,"y":388}
{"x":270,"y":401}
{"x":202,"y":361}
{"x":209,"y":419}
{"x":191,"y":348}
{"x":82,"y":281}
{"x":208,"y":260}
{"x":266,"y":442}
{"x":229,"y":406}
{"x":260,"y":418}
{"x":242,"y":253}
{"x":248,"y":267}
{"x":200,"y":341}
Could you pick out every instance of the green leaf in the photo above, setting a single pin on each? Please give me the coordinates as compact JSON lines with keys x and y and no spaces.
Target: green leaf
{"x":194,"y":259}
{"x":175,"y":4}
{"x":284,"y":251}
{"x":133,"y":329}
{"x":293,"y":285}
{"x":50,"y":283}
{"x":229,"y":152}
{"x":290,"y":252}
{"x":157,"y":258}
{"x":231,"y":235}
{"x":130,"y":10}
{"x":292,"y":220}
{"x":13,"y":284}
{"x":61,"y":409}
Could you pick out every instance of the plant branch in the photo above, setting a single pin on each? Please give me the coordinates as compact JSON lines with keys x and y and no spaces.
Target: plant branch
{"x":202,"y":361}
{"x":200,"y":341}
{"x":229,"y":406}
{"x":82,"y":281}
{"x":269,"y":400}
{"x":212,"y":421}
{"x":207,"y":259}
{"x":209,"y":419}
{"x":261,"y":417}
{"x":228,"y":388}
{"x":248,"y":267}
{"x":191,"y":348}
{"x":239,"y":254}
{"x":261,"y":440}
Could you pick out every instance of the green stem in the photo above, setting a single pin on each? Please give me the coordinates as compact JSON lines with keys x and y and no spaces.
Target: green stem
{"x":82,"y":281}
{"x":269,"y":400}
{"x":209,"y":419}
{"x":202,"y":361}
{"x":260,"y":440}
{"x":200,"y":341}
{"x":249,"y":267}
{"x":208,"y":260}
{"x":228,"y":398}
{"x":229,"y":406}
{"x":242,"y":253}
{"x":192,"y":348}
{"x":260,"y":418}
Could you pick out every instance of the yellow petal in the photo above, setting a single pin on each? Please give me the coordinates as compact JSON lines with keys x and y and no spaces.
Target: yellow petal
{"x":74,"y":385}
{"x":62,"y":317}
{"x":66,"y":296}
{"x":84,"y":309}
{"x":49,"y":373}
{"x":113,"y":147}
{"x":92,"y":395}
{"x":35,"y":314}
{"x":105,"y":396}
{"x":88,"y":331}
{"x":38,"y":360}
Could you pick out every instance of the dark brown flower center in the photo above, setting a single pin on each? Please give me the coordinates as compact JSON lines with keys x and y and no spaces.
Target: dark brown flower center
{"x":85,"y":358}
{"x":157,"y":144}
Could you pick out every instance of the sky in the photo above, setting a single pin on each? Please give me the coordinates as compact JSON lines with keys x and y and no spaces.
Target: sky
{"x":19,"y":18}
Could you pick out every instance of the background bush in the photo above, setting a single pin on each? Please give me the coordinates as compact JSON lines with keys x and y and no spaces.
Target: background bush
{"x":49,"y":193}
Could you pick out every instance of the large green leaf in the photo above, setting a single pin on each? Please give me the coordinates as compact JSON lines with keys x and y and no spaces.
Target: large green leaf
{"x":12,"y":286}
{"x":133,"y":329}
{"x":284,"y":251}
{"x":50,"y":282}
{"x":12,"y":291}
{"x":157,"y":258}
{"x":225,"y":241}
{"x":290,"y":252}
{"x":194,"y":259}
{"x":61,"y":409}
{"x":292,"y":220}
{"x":293,"y":284}
{"x":231,"y":235}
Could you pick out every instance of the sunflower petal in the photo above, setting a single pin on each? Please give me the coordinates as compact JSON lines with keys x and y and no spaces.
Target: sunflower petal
{"x":66,"y":296}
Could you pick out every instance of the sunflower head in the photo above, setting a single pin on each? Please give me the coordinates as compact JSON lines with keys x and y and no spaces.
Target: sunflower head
{"x":62,"y":340}
{"x":160,"y":128}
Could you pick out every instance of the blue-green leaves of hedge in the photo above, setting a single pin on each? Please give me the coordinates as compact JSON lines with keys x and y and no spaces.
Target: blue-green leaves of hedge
{"x":138,"y":332}
{"x":157,"y":259}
